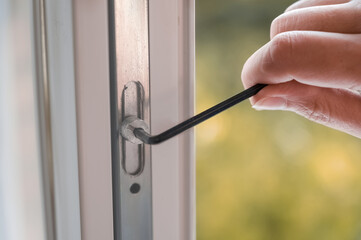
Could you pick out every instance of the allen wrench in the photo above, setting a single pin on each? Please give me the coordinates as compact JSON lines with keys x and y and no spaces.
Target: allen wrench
{"x":134,"y":129}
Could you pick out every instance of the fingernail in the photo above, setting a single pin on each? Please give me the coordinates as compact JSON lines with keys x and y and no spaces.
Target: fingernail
{"x":270,"y":103}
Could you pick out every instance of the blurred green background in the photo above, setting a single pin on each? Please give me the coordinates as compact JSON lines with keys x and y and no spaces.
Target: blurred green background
{"x":264,"y":175}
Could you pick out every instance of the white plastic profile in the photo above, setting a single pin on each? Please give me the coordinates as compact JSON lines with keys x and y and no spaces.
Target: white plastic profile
{"x":171,"y":26}
{"x":172,"y":43}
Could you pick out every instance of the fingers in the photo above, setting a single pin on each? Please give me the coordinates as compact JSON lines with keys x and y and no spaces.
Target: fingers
{"x":312,"y":3}
{"x":342,"y":18}
{"x":328,"y":60}
{"x":338,"y":109}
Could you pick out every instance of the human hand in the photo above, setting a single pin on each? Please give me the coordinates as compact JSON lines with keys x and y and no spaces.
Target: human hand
{"x":313,"y":63}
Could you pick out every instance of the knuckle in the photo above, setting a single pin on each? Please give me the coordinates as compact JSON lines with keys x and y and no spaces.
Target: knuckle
{"x":296,"y":5}
{"x":276,"y":26}
{"x":245,"y":79}
{"x":283,"y":23}
{"x":317,"y":111}
{"x":246,"y":75}
{"x":280,"y":51}
{"x":282,"y":44}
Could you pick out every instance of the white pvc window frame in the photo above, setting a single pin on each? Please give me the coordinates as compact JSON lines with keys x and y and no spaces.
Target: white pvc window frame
{"x":75,"y":65}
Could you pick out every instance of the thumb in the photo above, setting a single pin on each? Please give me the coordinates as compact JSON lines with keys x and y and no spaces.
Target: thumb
{"x":335,"y":108}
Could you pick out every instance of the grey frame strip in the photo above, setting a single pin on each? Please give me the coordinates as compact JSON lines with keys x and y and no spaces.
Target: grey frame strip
{"x":129,"y":62}
{"x":55,"y":86}
{"x":44,"y":116}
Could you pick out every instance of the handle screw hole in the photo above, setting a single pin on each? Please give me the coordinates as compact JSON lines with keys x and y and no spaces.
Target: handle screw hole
{"x":135,"y":188}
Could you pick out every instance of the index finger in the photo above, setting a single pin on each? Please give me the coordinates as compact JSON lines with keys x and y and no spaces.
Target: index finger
{"x":315,"y":58}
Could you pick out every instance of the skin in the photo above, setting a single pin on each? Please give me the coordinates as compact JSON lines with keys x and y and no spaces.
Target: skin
{"x":313,"y":63}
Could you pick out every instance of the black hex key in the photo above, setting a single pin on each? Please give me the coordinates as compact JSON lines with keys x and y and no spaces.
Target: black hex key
{"x":197,"y":119}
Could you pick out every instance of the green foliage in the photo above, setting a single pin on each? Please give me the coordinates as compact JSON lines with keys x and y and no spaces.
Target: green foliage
{"x":265,"y":175}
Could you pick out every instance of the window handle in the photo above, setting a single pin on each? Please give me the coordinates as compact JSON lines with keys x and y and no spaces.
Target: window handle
{"x":136,"y":125}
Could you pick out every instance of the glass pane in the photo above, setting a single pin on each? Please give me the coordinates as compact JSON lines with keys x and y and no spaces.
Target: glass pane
{"x":264,"y":175}
{"x":21,"y":213}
